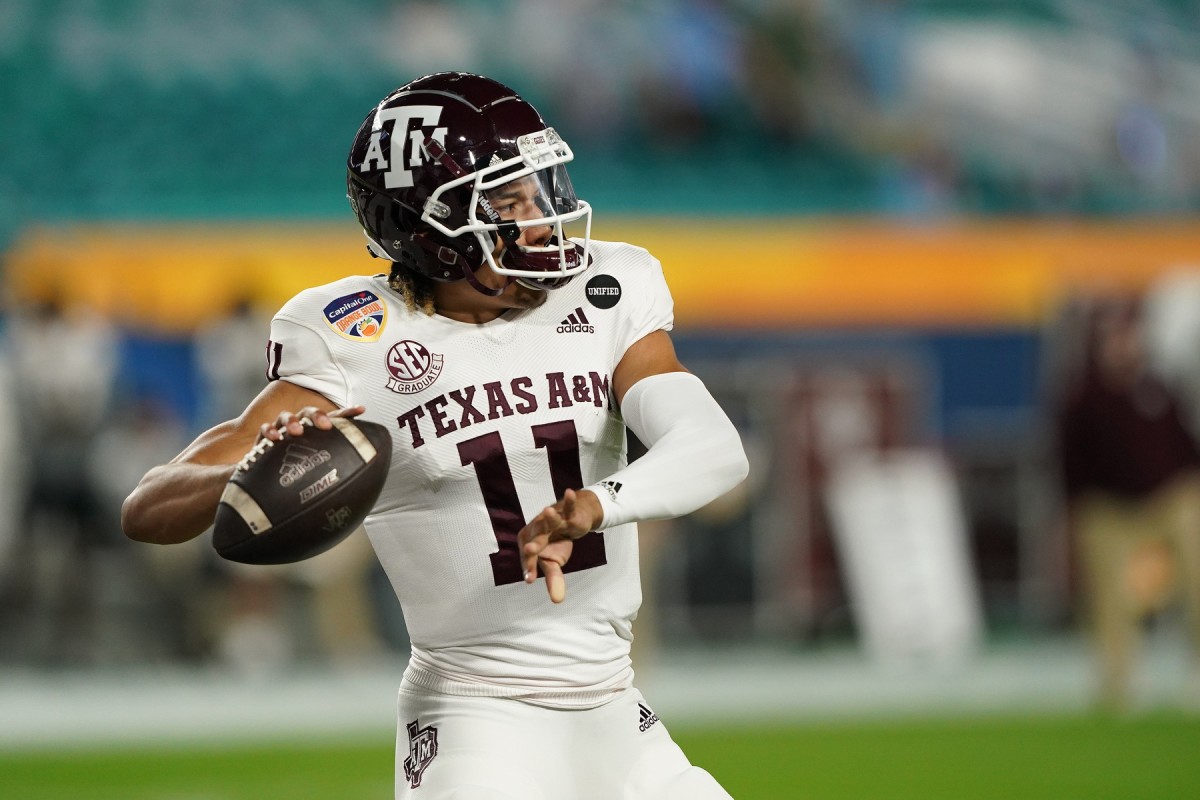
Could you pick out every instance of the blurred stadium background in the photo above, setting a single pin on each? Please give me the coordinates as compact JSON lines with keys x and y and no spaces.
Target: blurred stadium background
{"x":876,"y":217}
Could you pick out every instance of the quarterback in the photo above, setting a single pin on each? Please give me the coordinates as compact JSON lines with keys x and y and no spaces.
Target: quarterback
{"x":507,"y":352}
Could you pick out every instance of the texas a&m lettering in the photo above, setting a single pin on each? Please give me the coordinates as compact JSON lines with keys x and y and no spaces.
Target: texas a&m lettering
{"x":461,"y":408}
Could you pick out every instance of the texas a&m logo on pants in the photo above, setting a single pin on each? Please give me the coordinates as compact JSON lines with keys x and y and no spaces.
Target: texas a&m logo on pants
{"x":412,"y":367}
{"x":422,"y":747}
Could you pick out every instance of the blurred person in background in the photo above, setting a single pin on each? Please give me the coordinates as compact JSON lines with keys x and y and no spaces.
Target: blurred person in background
{"x":507,"y":356}
{"x":692,"y":90}
{"x":230,"y":358}
{"x":1131,"y":476}
{"x":63,"y":363}
{"x":1172,"y":313}
{"x":171,"y":588}
{"x":12,"y":488}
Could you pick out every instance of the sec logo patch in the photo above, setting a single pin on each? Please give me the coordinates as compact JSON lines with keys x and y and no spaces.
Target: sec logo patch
{"x":412,"y":367}
{"x":360,"y":317}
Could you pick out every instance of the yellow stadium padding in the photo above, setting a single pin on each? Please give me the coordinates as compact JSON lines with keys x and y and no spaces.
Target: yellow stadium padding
{"x":724,"y":272}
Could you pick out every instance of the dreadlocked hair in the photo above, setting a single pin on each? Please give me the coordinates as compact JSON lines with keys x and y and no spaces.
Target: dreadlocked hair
{"x":416,"y":289}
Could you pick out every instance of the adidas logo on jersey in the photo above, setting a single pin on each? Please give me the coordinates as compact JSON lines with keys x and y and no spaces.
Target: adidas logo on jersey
{"x":647,"y":717}
{"x":576,"y":322}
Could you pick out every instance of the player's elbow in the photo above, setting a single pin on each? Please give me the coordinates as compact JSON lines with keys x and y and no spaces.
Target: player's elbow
{"x":145,"y":517}
{"x":739,"y":466}
{"x":716,"y":469}
{"x":713,"y":464}
{"x":732,"y":465}
{"x":136,"y":518}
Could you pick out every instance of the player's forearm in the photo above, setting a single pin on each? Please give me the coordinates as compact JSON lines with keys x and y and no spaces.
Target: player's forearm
{"x":694,"y":453}
{"x":174,"y":502}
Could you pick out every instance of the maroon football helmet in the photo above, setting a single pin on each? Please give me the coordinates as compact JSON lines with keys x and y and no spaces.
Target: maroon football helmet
{"x":440,"y":171}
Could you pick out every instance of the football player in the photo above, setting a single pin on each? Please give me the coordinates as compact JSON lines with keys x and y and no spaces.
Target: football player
{"x":507,"y":352}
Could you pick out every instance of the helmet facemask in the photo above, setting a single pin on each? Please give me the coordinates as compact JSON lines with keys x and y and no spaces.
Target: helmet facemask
{"x":511,"y":195}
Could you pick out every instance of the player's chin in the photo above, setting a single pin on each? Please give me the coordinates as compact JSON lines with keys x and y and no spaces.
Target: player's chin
{"x":523,"y":296}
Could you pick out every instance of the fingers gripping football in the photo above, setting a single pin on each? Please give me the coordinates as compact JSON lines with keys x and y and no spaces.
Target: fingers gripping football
{"x":293,"y":423}
{"x":308,"y":483}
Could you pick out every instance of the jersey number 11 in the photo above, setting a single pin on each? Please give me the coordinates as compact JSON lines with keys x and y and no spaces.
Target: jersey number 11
{"x":486,"y":454}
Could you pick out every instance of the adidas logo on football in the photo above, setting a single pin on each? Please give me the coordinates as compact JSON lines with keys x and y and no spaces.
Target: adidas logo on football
{"x":299,"y":460}
{"x":576,"y":322}
{"x":647,"y":718}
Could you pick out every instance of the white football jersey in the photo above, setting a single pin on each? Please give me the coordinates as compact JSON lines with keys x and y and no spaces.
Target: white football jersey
{"x":490,"y":424}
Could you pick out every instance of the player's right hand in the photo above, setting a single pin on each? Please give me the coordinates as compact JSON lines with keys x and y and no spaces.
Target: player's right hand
{"x":548,"y":539}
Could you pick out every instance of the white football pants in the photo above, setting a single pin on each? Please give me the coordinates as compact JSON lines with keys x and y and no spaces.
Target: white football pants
{"x":487,"y":748}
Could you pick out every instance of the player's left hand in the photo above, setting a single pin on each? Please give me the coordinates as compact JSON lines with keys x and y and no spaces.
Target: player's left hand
{"x":548,"y":539}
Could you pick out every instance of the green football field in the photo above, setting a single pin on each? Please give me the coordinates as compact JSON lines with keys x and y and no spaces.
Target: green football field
{"x":1055,"y":758}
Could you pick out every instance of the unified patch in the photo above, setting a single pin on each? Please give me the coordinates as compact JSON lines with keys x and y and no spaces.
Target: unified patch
{"x":360,"y":316}
{"x":603,"y":291}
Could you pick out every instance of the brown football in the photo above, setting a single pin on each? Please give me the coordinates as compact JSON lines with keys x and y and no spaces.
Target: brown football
{"x":296,"y":498}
